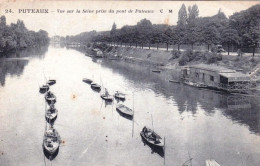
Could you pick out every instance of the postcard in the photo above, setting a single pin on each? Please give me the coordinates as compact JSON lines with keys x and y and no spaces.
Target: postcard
{"x":130,"y":83}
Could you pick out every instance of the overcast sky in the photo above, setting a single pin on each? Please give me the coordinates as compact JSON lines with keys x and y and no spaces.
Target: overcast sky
{"x":74,"y":23}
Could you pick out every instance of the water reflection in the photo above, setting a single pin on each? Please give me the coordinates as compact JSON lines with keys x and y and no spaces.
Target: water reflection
{"x":13,"y":63}
{"x":154,"y":149}
{"x":240,"y":108}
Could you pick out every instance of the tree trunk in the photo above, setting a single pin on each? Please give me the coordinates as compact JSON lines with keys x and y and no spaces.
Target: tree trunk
{"x":142,"y":46}
{"x":157,"y":46}
{"x":149,"y":46}
{"x":178,"y":47}
{"x":135,"y":45}
{"x":167,"y":46}
{"x":130,"y":45}
{"x":253,"y":51}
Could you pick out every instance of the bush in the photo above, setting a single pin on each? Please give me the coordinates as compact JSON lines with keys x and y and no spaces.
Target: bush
{"x":212,"y":57}
{"x":183,"y":60}
{"x":176,"y":54}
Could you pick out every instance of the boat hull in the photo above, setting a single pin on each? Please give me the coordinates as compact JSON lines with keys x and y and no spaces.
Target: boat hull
{"x":51,"y":82}
{"x":107,"y":98}
{"x":124,"y":110}
{"x":152,"y":142}
{"x":86,"y":80}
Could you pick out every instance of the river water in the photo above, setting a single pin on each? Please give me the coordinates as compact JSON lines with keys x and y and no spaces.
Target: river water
{"x":196,"y":123}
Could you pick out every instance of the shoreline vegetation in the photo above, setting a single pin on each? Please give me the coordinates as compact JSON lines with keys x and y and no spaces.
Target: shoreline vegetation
{"x":16,"y":37}
{"x":218,"y":39}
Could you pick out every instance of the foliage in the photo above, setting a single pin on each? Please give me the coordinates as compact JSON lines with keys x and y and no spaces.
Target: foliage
{"x":191,"y":29}
{"x":17,"y":36}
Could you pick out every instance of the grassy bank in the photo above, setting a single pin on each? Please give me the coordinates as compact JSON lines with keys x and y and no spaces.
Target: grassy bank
{"x":175,"y":59}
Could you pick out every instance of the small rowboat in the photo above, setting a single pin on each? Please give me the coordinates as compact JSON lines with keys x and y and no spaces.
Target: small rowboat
{"x":151,"y":137}
{"x":51,"y":141}
{"x":174,"y":81}
{"x":156,"y":71}
{"x":124,"y":110}
{"x":51,"y":114}
{"x":95,"y":86}
{"x":86,"y":80}
{"x":51,"y":82}
{"x":119,"y":96}
{"x":44,"y":88}
{"x":50,"y":97}
{"x":107,"y":97}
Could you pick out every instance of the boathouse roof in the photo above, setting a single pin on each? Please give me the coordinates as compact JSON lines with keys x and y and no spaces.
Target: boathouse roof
{"x":232,"y":75}
{"x":214,"y":68}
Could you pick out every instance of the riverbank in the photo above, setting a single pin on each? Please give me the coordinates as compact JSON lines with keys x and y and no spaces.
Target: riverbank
{"x":173,"y":60}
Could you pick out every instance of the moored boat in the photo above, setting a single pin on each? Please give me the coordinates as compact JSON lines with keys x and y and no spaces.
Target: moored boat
{"x":195,"y":84}
{"x":119,"y":95}
{"x":50,"y":97}
{"x":51,"y":140}
{"x":95,"y":86}
{"x":151,"y":137}
{"x":51,"y":114}
{"x":107,"y":97}
{"x":124,"y":110}
{"x":86,"y":80}
{"x":44,"y":88}
{"x":51,"y":82}
{"x":156,"y":71}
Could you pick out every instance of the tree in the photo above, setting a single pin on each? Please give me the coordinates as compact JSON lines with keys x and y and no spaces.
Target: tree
{"x":210,"y":35}
{"x":193,"y":33}
{"x":230,"y":36}
{"x":193,"y":13}
{"x":113,"y":32}
{"x":182,"y":16}
{"x":2,"y":21}
{"x":145,"y":30}
{"x":247,"y":24}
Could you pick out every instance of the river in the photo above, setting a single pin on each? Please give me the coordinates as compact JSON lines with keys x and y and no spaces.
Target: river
{"x":196,"y":123}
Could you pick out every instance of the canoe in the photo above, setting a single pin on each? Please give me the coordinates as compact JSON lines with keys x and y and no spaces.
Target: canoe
{"x":44,"y":88}
{"x":156,"y":71}
{"x":119,"y":96}
{"x":86,"y":80}
{"x":51,"y":141}
{"x":107,"y":97}
{"x":95,"y":85}
{"x":124,"y":110}
{"x":51,"y":82}
{"x":50,"y":97}
{"x":51,"y":114}
{"x":151,"y":137}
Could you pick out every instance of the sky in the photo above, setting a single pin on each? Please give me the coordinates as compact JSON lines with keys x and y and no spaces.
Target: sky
{"x":73,"y":23}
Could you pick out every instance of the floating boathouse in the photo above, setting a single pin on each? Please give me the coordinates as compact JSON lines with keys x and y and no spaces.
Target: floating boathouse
{"x":216,"y":77}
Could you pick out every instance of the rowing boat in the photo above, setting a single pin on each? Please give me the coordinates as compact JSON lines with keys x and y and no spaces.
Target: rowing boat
{"x":151,"y":137}
{"x":51,"y":140}
{"x":124,"y":110}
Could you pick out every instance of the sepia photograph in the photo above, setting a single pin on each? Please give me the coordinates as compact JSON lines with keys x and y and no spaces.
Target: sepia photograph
{"x":129,"y":83}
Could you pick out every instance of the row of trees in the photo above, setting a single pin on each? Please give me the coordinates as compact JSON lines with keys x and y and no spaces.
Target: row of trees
{"x":16,"y":36}
{"x":241,"y":29}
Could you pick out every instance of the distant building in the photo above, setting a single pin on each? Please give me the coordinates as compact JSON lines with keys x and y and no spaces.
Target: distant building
{"x":217,"y":77}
